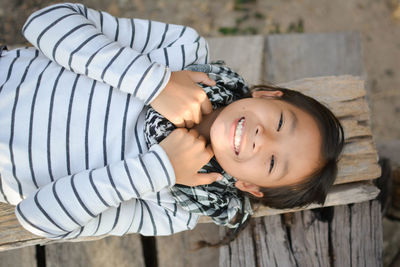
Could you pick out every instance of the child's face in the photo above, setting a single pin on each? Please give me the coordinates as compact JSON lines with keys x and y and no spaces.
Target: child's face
{"x":279,"y":144}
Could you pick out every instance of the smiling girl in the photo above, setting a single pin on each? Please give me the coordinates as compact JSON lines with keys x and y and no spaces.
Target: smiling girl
{"x":104,"y":132}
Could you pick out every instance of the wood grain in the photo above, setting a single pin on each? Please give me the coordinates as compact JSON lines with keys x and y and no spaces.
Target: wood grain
{"x":347,"y":235}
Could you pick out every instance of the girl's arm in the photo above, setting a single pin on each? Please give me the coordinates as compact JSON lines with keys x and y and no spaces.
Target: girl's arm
{"x":129,"y":54}
{"x":107,"y":200}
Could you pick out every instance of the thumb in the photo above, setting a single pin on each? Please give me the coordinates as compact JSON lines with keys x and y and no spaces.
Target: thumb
{"x":207,"y":178}
{"x":201,"y":77}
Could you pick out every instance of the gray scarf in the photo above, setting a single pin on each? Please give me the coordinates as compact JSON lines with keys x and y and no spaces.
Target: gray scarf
{"x":221,"y":200}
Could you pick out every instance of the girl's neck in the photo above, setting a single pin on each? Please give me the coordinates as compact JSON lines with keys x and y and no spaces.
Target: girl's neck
{"x":205,"y":125}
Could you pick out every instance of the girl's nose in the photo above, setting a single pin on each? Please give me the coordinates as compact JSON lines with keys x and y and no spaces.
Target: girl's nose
{"x":263,"y":138}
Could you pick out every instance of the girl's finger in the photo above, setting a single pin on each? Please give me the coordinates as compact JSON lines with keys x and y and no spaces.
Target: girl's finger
{"x":206,"y":107}
{"x":189,"y":124}
{"x":202,"y":138}
{"x":179,"y":124}
{"x":196,"y":112}
{"x":194,"y":132}
{"x":201,"y":77}
{"x":188,"y":118}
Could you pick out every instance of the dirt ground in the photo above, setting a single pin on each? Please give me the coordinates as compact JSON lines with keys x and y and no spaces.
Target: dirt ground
{"x":377,"y":20}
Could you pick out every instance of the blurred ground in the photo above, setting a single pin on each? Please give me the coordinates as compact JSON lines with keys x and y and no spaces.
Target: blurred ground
{"x":377,"y":20}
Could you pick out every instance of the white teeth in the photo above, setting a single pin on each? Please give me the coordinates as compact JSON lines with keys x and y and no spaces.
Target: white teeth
{"x":238,"y":134}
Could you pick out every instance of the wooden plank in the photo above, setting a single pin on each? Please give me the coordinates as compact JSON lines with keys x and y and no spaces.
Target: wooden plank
{"x":340,"y":236}
{"x":356,"y":107}
{"x":366,"y":234}
{"x":365,"y":146}
{"x":352,"y":128}
{"x":12,"y":234}
{"x":110,"y":251}
{"x":329,"y":89}
{"x":179,"y":250}
{"x":357,"y":235}
{"x":241,"y":252}
{"x":293,"y":56}
{"x":362,"y":167}
{"x":309,"y":240}
{"x":25,"y":257}
{"x":273,"y":248}
{"x":244,"y":54}
{"x":339,"y":195}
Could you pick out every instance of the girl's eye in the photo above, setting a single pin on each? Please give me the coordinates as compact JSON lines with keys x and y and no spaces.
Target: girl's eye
{"x":280,"y":122}
{"x":271,"y":165}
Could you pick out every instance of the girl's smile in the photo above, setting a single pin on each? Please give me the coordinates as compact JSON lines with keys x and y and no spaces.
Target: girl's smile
{"x":237,"y":134}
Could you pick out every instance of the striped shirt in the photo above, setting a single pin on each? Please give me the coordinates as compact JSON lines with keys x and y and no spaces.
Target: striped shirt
{"x":72,"y":153}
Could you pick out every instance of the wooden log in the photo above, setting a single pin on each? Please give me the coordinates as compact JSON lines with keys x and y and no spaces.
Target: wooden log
{"x":110,"y":251}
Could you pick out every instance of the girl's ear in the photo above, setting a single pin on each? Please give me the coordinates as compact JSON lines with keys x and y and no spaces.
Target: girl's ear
{"x":267,"y":94}
{"x":250,"y":188}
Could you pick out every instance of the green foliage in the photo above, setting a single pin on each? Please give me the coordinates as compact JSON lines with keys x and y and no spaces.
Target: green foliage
{"x":276,"y":28}
{"x":296,"y":27}
{"x":250,"y":18}
{"x":229,"y":30}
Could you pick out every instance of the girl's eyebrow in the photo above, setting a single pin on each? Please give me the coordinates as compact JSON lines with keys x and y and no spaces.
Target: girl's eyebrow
{"x":292,"y":130}
{"x":285,"y":169}
{"x":294,"y":122}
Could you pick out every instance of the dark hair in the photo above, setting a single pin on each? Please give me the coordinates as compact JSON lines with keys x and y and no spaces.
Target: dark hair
{"x":314,"y":188}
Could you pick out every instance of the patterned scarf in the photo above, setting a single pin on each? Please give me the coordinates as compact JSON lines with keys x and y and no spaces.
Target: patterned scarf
{"x":221,"y":200}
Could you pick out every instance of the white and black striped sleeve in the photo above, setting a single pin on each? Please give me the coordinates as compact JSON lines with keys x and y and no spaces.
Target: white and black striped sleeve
{"x":64,"y":34}
{"x":66,"y":206}
{"x":130,"y":54}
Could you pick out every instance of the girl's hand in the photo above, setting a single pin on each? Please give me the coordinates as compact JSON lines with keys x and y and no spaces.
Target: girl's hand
{"x":182,"y":101}
{"x":188,"y":152}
